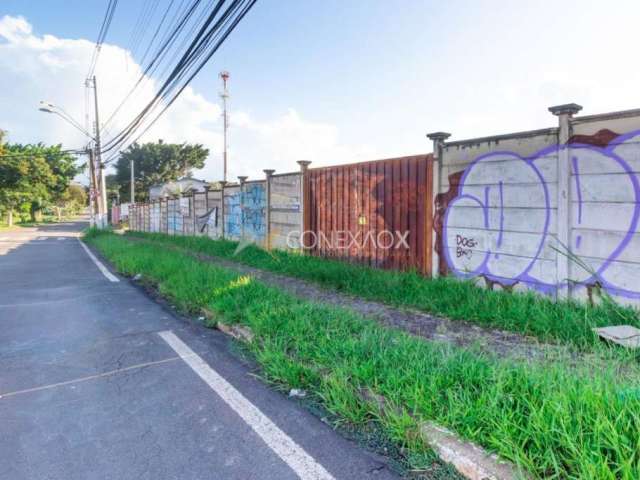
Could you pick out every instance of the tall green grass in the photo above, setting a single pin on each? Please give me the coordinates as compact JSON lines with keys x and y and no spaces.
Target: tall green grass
{"x":552,"y":420}
{"x":525,"y":313}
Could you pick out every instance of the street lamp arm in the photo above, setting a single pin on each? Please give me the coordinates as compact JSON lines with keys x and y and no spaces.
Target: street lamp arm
{"x":50,"y":108}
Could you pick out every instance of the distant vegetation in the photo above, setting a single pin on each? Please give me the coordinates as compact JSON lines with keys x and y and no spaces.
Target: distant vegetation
{"x":154,"y":163}
{"x":35,"y":178}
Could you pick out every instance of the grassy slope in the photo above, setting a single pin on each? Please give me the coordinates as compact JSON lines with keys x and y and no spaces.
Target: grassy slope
{"x":525,"y":313}
{"x":554,"y":421}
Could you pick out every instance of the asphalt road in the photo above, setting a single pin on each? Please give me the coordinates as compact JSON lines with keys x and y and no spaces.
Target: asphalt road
{"x":98,"y":381}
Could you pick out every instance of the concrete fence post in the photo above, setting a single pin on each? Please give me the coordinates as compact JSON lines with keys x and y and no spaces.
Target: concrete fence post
{"x":564,"y":114}
{"x":305,"y":201}
{"x":267,"y":214}
{"x":222,"y":184}
{"x":242,"y":179}
{"x":192,"y":211}
{"x":163,"y":200}
{"x":438,"y":139}
{"x":177,"y":203}
{"x":167,"y":201}
{"x":206,"y":208}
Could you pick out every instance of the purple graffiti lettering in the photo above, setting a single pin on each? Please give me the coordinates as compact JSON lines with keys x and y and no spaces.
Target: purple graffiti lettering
{"x":501,"y":232}
{"x":527,"y":251}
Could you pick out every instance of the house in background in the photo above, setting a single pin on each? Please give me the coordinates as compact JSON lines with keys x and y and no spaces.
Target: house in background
{"x":182,"y":185}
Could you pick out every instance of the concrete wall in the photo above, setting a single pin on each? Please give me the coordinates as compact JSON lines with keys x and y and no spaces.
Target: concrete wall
{"x":554,"y":210}
{"x":188,"y":216}
{"x":232,"y":215}
{"x":200,"y":211}
{"x":154,"y":217}
{"x":214,"y":227}
{"x":285,"y":210}
{"x":235,"y":212}
{"x":163,"y":216}
{"x":174,"y":217}
{"x":254,"y":204}
{"x":605,"y":204}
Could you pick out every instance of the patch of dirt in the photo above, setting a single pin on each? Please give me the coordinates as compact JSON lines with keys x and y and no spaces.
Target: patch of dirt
{"x":455,"y":332}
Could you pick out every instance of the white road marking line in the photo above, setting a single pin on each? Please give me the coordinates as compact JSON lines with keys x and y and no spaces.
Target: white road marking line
{"x":293,"y":454}
{"x":61,"y":239}
{"x":90,"y":377}
{"x":110,"y":276}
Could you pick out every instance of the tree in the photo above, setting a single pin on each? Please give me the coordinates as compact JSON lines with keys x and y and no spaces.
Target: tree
{"x":113,"y":189}
{"x":33,"y":176}
{"x":71,"y":201}
{"x":156,"y":163}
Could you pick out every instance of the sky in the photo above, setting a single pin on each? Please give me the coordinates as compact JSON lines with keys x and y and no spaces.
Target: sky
{"x":330,"y":81}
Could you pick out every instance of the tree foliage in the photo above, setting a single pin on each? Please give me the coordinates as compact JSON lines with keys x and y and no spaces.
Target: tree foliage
{"x":34,"y":176}
{"x":155,"y":163}
{"x":72,"y":201}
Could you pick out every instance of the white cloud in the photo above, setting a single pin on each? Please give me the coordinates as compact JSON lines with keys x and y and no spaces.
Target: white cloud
{"x":48,"y":68}
{"x":285,"y":139}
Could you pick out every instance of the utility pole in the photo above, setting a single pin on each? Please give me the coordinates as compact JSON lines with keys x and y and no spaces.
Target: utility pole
{"x":102,"y":185}
{"x":224,"y":75}
{"x":92,"y":188}
{"x":133,"y":184}
{"x":94,"y":204}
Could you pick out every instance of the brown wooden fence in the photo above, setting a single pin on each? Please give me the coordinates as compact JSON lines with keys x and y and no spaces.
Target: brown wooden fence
{"x":354,"y":211}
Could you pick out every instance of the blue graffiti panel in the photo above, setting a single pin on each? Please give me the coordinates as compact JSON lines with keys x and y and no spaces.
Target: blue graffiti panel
{"x":233,"y":215}
{"x":254,"y":202}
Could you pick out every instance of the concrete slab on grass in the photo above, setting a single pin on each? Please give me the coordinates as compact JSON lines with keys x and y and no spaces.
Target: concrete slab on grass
{"x":624,"y":335}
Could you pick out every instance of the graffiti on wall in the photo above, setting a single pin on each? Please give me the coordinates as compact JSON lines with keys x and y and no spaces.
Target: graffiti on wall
{"x":244,"y":212}
{"x":502,"y":224}
{"x":210,"y":218}
{"x":232,"y":214}
{"x":254,"y":202}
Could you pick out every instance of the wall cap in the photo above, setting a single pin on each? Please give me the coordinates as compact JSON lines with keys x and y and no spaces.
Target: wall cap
{"x":607,"y":116}
{"x":438,"y":136}
{"x":570,"y":108}
{"x":504,"y":136}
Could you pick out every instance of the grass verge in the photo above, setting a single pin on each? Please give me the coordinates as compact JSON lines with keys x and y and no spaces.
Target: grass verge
{"x":551,"y":420}
{"x":526,"y":313}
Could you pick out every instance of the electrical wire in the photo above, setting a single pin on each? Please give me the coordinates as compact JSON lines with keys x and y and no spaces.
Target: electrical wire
{"x":208,"y":40}
{"x":102,"y":34}
{"x":151,"y":67}
{"x":155,"y":34}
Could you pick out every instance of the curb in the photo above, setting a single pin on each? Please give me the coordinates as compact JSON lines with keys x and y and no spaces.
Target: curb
{"x":469,"y":460}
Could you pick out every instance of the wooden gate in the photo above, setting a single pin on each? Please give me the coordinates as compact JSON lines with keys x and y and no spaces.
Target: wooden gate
{"x":376,"y":213}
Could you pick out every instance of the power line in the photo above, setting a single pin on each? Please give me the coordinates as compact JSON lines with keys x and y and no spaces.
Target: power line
{"x":166,"y":46}
{"x":102,"y":34}
{"x":210,"y":37}
{"x":140,"y":29}
{"x":155,"y":34}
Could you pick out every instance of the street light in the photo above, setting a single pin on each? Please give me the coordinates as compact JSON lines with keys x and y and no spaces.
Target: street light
{"x":48,"y":107}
